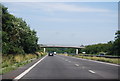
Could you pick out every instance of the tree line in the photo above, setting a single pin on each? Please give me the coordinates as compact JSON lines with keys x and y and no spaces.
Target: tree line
{"x":17,"y":37}
{"x":110,"y":48}
{"x":61,"y":50}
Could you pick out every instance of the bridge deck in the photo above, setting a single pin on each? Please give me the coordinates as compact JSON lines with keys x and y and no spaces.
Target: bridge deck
{"x":60,"y":47}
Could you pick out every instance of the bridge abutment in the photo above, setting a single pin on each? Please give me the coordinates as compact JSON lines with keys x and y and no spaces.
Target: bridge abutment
{"x":76,"y":51}
{"x":44,"y":50}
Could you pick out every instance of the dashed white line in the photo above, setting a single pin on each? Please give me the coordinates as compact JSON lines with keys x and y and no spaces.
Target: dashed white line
{"x":83,"y":67}
{"x":26,"y":71}
{"x":91,"y":71}
{"x":76,"y":65}
{"x":69,"y":61}
{"x":66,"y":60}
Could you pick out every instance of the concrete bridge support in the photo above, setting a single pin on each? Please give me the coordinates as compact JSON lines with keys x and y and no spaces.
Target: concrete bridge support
{"x":44,"y":50}
{"x":76,"y":51}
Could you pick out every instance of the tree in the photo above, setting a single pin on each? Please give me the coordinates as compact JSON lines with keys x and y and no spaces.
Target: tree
{"x":111,"y":48}
{"x":116,"y":44}
{"x":17,"y":37}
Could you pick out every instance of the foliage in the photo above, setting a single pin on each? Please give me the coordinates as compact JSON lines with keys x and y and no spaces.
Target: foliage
{"x":112,"y":47}
{"x":97,"y":48}
{"x":17,"y":37}
{"x":116,"y":44}
{"x":61,"y":50}
{"x":103,"y":59}
{"x":12,"y":61}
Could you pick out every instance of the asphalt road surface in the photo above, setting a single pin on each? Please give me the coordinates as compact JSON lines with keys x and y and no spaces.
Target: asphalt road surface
{"x":66,"y":67}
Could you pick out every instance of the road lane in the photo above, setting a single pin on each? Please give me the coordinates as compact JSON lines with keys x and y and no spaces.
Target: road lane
{"x":105,"y":70}
{"x":26,"y":71}
{"x":65,"y":67}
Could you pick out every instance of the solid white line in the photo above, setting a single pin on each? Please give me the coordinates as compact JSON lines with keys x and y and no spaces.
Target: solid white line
{"x":76,"y":65}
{"x":26,"y":71}
{"x":91,"y":71}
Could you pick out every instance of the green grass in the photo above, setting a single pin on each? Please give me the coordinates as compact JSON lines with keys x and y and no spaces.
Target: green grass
{"x":103,"y":59}
{"x":12,"y":62}
{"x":63,"y":54}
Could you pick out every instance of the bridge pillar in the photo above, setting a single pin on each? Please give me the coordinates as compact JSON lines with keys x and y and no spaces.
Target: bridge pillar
{"x":44,"y":50}
{"x":76,"y":51}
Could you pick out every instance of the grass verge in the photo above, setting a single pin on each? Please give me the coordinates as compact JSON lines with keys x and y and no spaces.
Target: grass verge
{"x":103,"y":59}
{"x":63,"y":54}
{"x":12,"y":62}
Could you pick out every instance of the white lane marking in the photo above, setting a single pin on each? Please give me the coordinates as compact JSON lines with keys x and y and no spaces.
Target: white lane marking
{"x":61,"y":57}
{"x":69,"y":61}
{"x":26,"y":71}
{"x":91,"y":71}
{"x":97,"y":61}
{"x":83,"y":67}
{"x":66,"y":60}
{"x":76,"y":65}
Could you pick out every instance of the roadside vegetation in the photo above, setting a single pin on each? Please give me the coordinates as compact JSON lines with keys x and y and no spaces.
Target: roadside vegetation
{"x":11,"y":62}
{"x":63,"y":54}
{"x":17,"y":37}
{"x":103,"y":59}
{"x":110,"y":48}
{"x":19,"y":42}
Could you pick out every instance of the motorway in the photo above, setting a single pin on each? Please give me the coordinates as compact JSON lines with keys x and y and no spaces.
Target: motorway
{"x":66,"y":67}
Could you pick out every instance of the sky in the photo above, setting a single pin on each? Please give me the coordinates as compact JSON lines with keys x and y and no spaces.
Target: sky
{"x":59,"y":0}
{"x":69,"y":23}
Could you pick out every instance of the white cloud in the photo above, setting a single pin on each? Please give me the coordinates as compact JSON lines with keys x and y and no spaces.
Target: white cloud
{"x":52,"y":7}
{"x":56,"y":20}
{"x":69,"y":8}
{"x":62,"y":20}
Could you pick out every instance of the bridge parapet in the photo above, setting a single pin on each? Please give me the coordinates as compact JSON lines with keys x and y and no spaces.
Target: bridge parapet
{"x":55,"y":46}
